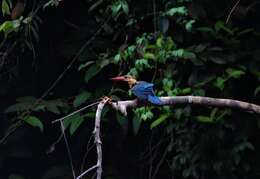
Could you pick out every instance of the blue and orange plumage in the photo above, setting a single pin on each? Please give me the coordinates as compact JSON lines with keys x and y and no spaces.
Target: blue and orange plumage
{"x":141,"y":89}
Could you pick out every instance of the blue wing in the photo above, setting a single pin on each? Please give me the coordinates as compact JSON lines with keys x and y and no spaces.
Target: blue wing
{"x":154,"y":99}
{"x":144,"y":91}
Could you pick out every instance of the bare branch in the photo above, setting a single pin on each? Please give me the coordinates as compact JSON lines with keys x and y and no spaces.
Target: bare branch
{"x":98,"y":142}
{"x":96,"y":133}
{"x":200,"y":100}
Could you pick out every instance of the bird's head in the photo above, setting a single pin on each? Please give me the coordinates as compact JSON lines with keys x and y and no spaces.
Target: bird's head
{"x":127,"y":78}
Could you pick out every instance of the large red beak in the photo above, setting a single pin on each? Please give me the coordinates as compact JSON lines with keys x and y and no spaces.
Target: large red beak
{"x":118,"y":78}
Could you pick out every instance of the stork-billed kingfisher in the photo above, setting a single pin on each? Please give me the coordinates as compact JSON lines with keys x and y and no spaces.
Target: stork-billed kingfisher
{"x":141,"y":89}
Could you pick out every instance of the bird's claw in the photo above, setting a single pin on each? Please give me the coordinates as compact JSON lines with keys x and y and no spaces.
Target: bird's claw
{"x":106,"y":99}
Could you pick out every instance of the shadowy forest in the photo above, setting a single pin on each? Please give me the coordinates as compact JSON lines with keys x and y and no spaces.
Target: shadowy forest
{"x":57,"y":56}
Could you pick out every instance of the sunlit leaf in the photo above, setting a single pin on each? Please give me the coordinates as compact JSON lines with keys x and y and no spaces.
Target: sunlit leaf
{"x":177,"y":11}
{"x":9,"y":26}
{"x":188,"y":25}
{"x":125,"y":7}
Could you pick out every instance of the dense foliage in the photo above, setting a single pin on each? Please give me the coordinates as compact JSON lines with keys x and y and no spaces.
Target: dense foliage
{"x":57,"y":56}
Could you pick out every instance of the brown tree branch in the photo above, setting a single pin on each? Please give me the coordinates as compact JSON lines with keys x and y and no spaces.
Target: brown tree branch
{"x":200,"y":100}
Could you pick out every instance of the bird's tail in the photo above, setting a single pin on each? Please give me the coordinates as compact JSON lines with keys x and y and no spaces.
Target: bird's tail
{"x":155,"y":100}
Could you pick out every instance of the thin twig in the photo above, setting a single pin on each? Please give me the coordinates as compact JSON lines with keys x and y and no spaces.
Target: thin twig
{"x":75,"y":112}
{"x":68,"y":149}
{"x":52,"y":146}
{"x":232,"y":10}
{"x":11,"y":130}
{"x":85,"y":172}
{"x":89,"y":147}
{"x":150,"y":158}
{"x":73,"y":60}
{"x":159,"y":163}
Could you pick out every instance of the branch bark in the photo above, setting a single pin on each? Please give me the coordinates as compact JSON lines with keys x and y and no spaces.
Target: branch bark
{"x":96,"y":133}
{"x":200,"y":100}
{"x":98,"y":142}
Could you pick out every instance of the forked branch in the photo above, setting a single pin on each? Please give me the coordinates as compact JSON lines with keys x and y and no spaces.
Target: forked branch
{"x":98,"y":142}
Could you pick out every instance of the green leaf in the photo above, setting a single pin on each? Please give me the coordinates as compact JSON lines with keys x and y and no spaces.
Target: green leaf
{"x":117,"y":58}
{"x":188,"y":25}
{"x":19,"y":107}
{"x":177,"y":11}
{"x":220,"y":25}
{"x":5,"y":8}
{"x":34,"y":121}
{"x":234,"y":73}
{"x":220,"y":83}
{"x":185,"y":91}
{"x":125,"y":7}
{"x":52,"y":105}
{"x":81,"y":98}
{"x":10,"y":26}
{"x":257,"y":90}
{"x":141,"y":64}
{"x":178,"y":53}
{"x":189,"y":55}
{"x":115,"y":8}
{"x":204,"y":119}
{"x":149,"y":56}
{"x":158,"y":121}
{"x":75,"y":123}
{"x":91,"y":72}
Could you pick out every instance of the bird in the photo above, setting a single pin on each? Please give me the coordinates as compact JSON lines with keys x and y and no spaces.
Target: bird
{"x":141,"y":89}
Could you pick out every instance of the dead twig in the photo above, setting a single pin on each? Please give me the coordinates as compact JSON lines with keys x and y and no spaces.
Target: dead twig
{"x":68,"y":149}
{"x":98,"y":142}
{"x":232,"y":10}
